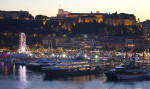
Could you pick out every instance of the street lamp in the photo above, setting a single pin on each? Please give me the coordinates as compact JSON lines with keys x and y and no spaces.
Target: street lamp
{"x":64,"y":55}
{"x":96,"y":56}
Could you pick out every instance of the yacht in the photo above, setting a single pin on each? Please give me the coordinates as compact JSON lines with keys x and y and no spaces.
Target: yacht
{"x":21,"y":63}
{"x":38,"y":64}
{"x":76,"y":66}
{"x":124,"y":72}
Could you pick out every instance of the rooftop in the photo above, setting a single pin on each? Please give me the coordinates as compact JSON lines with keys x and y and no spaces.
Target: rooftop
{"x":87,"y":13}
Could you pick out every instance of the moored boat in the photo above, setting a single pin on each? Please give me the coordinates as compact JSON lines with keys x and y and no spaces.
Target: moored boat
{"x":21,"y":63}
{"x":126,"y":72}
{"x":76,"y":66}
{"x":38,"y":64}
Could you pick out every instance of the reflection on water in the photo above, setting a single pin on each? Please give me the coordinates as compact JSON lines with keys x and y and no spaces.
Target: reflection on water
{"x":5,"y":68}
{"x":22,"y":76}
{"x":81,"y":78}
{"x":14,"y":70}
{"x":13,"y":75}
{"x":19,"y":77}
{"x":22,"y":73}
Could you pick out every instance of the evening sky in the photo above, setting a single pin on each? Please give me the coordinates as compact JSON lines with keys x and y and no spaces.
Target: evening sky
{"x":141,"y":8}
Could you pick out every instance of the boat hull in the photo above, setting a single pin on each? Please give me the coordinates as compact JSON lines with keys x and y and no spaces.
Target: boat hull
{"x":36,"y":67}
{"x":123,"y":76}
{"x":67,"y":72}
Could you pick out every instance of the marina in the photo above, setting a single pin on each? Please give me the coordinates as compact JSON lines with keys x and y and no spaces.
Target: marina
{"x":73,"y":69}
{"x":20,"y":77}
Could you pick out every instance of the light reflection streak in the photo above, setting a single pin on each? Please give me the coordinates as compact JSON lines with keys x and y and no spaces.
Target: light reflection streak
{"x":6,"y":70}
{"x":22,"y":73}
{"x":3,"y":67}
{"x":22,"y":77}
{"x":14,"y":71}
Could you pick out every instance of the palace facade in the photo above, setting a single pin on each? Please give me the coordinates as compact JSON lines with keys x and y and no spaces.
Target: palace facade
{"x":114,"y":19}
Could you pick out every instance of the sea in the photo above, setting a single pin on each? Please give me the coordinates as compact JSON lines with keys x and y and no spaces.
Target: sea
{"x":20,"y":77}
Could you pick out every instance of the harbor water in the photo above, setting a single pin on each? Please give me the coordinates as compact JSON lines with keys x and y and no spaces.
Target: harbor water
{"x":20,"y":77}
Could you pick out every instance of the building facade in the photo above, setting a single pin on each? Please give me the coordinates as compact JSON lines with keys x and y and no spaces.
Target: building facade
{"x":146,"y":32}
{"x":62,"y":13}
{"x":135,"y":43}
{"x":15,"y":15}
{"x":114,"y":19}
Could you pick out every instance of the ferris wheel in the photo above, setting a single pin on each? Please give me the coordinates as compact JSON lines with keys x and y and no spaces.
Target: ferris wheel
{"x":22,"y":43}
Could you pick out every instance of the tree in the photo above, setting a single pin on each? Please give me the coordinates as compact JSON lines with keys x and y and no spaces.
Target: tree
{"x":41,"y":17}
{"x":31,"y":17}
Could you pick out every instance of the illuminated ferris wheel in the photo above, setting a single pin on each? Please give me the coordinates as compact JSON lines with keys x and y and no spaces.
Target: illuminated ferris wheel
{"x":22,"y":43}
